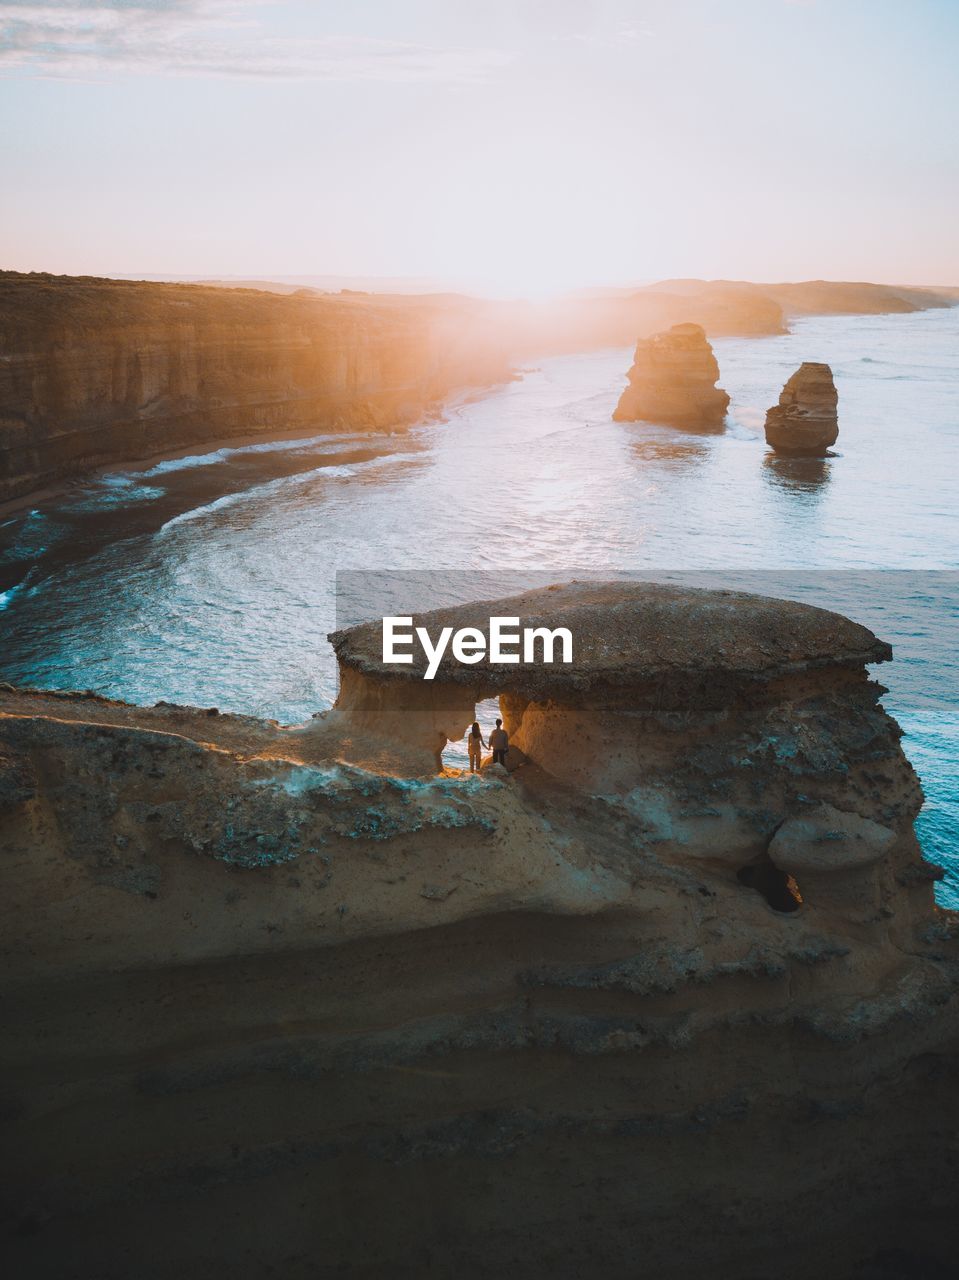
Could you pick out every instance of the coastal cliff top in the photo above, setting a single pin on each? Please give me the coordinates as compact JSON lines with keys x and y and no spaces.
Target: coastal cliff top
{"x":84,"y":306}
{"x":629,"y":632}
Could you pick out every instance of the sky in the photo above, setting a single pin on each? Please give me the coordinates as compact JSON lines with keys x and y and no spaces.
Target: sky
{"x":508,"y":147}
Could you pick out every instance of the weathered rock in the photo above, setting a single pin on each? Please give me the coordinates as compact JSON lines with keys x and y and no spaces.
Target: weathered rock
{"x":831,"y":841}
{"x":805,"y":421}
{"x":494,"y":770}
{"x":271,"y":1006}
{"x":678,"y":704}
{"x":838,"y":858}
{"x":629,"y":632}
{"x":673,"y":381}
{"x":101,"y":371}
{"x":637,"y":639}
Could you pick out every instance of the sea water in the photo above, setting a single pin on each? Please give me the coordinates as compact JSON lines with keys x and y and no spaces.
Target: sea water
{"x":211,"y":579}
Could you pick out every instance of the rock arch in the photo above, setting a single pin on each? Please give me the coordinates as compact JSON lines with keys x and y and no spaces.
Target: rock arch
{"x":710,"y":719}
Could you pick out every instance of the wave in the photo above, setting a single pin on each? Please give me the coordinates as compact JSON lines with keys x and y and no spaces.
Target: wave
{"x":117,"y":491}
{"x":338,"y":443}
{"x":7,"y":597}
{"x":342,"y":471}
{"x":746,"y":423}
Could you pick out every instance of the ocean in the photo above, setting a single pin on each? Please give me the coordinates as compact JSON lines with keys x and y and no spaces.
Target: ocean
{"x":211,"y":579}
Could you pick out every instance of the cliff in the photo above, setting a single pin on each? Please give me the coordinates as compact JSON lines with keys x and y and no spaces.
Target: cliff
{"x":805,"y":422}
{"x":616,"y":318}
{"x":96,"y":372}
{"x":825,"y":297}
{"x":105,"y":371}
{"x":674,"y":990}
{"x":673,"y":381}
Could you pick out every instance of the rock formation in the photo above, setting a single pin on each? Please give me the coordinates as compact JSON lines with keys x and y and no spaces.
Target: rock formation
{"x":817,"y":297}
{"x":805,"y":421}
{"x":96,"y":372}
{"x":99,"y":372}
{"x":673,"y":380}
{"x":675,"y":990}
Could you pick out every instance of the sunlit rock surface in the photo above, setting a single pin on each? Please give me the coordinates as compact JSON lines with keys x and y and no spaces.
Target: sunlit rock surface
{"x":805,"y":421}
{"x":98,"y":372}
{"x":284,"y":1001}
{"x":94,"y":372}
{"x":673,"y":381}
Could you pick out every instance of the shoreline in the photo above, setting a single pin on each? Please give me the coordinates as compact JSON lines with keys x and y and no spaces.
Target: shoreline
{"x":12,"y":506}
{"x":465,"y":395}
{"x":439,"y":413}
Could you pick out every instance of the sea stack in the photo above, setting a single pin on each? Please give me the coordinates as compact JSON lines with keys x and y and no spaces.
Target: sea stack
{"x":673,"y":381}
{"x":805,"y":420}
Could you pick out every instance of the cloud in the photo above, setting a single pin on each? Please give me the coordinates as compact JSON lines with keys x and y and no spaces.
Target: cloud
{"x":91,"y":39}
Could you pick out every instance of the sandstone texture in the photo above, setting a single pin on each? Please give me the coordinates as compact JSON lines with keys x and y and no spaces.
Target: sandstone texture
{"x":805,"y":422}
{"x":94,"y":371}
{"x":672,"y":998}
{"x":100,"y":372}
{"x":673,"y":381}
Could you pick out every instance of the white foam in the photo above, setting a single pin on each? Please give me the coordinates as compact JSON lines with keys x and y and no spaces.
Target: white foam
{"x":7,"y":596}
{"x":342,"y":471}
{"x":337,"y":444}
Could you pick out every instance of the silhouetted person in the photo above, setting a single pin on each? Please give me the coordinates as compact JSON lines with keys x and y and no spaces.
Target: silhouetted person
{"x":499,"y":744}
{"x":475,"y":745}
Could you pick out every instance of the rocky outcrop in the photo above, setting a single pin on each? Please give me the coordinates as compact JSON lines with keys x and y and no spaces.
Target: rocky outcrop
{"x":673,"y":381}
{"x":819,"y":297}
{"x":616,"y":318}
{"x":805,"y":421}
{"x":673,"y":987}
{"x":95,"y":372}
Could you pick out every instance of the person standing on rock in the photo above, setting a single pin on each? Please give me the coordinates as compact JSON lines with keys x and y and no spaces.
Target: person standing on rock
{"x":499,"y":744}
{"x":475,"y":745}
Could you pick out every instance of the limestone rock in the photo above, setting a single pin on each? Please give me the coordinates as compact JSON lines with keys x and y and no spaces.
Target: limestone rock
{"x":683,"y":707}
{"x":805,"y":420}
{"x":252,"y":977}
{"x":624,"y":633}
{"x":105,"y":371}
{"x":673,"y":381}
{"x":829,"y":840}
{"x":492,"y":770}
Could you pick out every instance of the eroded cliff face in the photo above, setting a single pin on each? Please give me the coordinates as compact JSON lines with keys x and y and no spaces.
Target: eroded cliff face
{"x":805,"y":422}
{"x":272,"y":1003}
{"x":673,"y":380}
{"x":103,"y":371}
{"x":95,"y":372}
